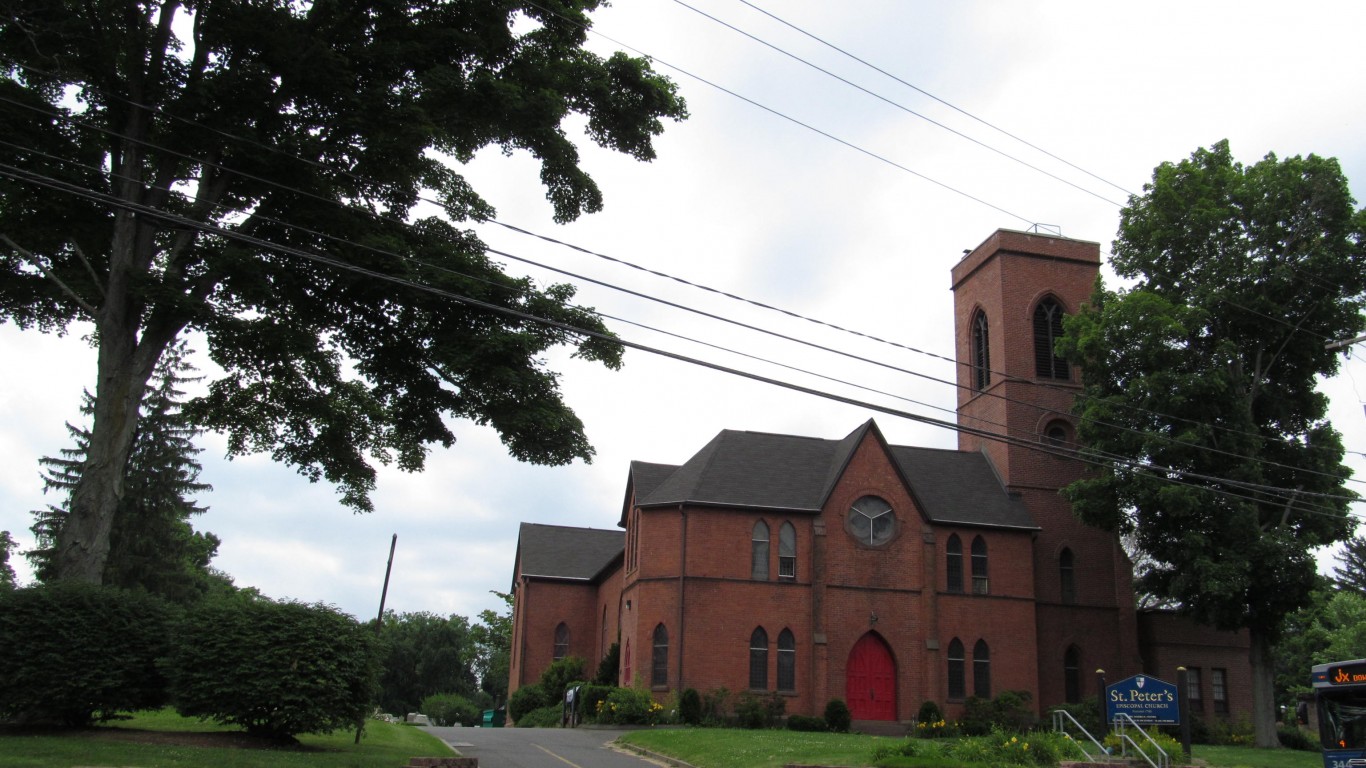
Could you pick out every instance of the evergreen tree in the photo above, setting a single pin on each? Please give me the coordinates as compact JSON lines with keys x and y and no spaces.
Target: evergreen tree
{"x":153,"y":547}
{"x":1351,"y":570}
{"x":6,"y":571}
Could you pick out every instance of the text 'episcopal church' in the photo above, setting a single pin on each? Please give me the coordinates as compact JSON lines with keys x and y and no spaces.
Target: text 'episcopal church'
{"x":884,"y":575}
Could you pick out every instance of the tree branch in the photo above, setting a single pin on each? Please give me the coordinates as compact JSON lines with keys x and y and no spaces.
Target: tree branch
{"x":49,"y":274}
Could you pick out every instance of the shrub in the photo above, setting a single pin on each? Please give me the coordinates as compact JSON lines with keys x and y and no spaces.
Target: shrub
{"x":929,"y":713}
{"x":609,"y":668}
{"x":526,"y":699}
{"x":1293,"y":737}
{"x":716,"y":706}
{"x":1010,"y":711}
{"x":78,"y":653}
{"x":544,"y":717}
{"x":274,"y":668}
{"x":1169,"y":745}
{"x":690,"y":706}
{"x":1229,"y":732}
{"x":805,"y":723}
{"x":451,"y":709}
{"x":589,"y":698}
{"x":1087,"y":713}
{"x":757,"y":710}
{"x":559,"y":675}
{"x":630,"y":706}
{"x":837,"y":716}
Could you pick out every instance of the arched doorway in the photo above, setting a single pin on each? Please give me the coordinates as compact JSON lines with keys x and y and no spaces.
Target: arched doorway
{"x":870,"y":680}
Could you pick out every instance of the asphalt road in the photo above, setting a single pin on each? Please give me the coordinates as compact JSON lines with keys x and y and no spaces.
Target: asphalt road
{"x":540,"y":747}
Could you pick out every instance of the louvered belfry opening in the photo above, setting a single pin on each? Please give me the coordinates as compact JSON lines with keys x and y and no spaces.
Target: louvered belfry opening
{"x":1047,"y":331}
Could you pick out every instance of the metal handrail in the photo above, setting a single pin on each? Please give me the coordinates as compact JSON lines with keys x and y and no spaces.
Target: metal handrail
{"x":1060,"y":719}
{"x":1163,"y":761}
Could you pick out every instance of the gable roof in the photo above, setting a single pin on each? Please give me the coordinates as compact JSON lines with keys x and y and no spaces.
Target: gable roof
{"x":562,"y":552}
{"x":758,"y":470}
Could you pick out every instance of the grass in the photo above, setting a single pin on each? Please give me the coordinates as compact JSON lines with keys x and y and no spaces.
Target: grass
{"x":736,"y":748}
{"x":1248,"y":757}
{"x":126,"y":744}
{"x":731,"y":748}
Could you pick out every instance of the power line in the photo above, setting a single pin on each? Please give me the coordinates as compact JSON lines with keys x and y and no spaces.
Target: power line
{"x":1162,"y":473}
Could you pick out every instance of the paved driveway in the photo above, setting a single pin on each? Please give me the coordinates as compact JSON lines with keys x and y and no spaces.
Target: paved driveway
{"x":539,"y":747}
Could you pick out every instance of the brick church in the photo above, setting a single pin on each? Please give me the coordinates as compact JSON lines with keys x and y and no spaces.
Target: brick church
{"x":884,"y":575}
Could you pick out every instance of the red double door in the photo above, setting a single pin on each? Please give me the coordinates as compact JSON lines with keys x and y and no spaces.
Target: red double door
{"x":870,"y":680}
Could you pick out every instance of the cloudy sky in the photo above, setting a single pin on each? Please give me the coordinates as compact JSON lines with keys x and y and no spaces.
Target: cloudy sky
{"x":804,"y":180}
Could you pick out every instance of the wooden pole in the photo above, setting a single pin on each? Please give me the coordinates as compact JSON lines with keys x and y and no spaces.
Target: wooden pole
{"x":379,"y":620}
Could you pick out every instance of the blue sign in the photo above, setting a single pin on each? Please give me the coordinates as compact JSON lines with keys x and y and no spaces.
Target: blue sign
{"x":1145,"y":699}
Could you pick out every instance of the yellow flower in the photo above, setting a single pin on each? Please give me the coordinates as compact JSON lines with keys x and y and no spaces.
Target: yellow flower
{"x":1013,"y":740}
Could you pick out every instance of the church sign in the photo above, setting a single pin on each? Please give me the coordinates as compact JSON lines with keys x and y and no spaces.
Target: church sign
{"x":1145,"y":699}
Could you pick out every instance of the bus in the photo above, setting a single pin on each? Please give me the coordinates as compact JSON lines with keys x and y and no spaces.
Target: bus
{"x":1340,"y":701}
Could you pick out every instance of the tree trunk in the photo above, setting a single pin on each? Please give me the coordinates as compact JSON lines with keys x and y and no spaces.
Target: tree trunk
{"x":83,"y":542}
{"x":1263,"y":695}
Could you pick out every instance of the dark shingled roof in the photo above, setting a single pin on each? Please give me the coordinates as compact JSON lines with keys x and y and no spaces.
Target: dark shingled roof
{"x":645,"y":477}
{"x":561,"y":552}
{"x":765,"y":471}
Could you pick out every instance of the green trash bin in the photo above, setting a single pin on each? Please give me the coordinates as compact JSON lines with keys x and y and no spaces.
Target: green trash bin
{"x":494,"y":718}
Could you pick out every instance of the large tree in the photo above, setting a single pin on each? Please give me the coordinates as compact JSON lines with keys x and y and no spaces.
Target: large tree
{"x":1200,"y":409}
{"x":152,"y":544}
{"x":425,"y":654}
{"x":249,"y":170}
{"x":6,"y":570}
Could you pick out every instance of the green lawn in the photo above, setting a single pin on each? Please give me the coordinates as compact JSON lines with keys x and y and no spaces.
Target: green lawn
{"x":383,"y":746}
{"x":727,"y":748}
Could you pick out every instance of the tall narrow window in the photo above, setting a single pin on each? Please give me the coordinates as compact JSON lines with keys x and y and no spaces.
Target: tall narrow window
{"x":1071,"y":675}
{"x":980,"y":583}
{"x":981,"y":352}
{"x":1197,"y":702}
{"x":1067,"y":576}
{"x":758,"y":552}
{"x":603,"y":640}
{"x":1218,"y":690}
{"x":758,"y":660}
{"x":954,"y":558}
{"x":626,"y":664}
{"x":957,"y":677}
{"x":787,"y":552}
{"x":981,"y":670}
{"x":659,"y":662}
{"x":1047,"y":331}
{"x":561,"y":641}
{"x":787,"y":661}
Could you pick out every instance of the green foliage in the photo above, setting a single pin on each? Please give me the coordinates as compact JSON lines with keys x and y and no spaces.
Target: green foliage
{"x":1010,"y":711}
{"x":1162,"y":741}
{"x":451,"y":709}
{"x":1350,"y":572}
{"x":542,"y":717}
{"x":630,"y":706}
{"x":286,"y":233}
{"x":1294,"y":737}
{"x":716,"y":706}
{"x":589,"y":698}
{"x":838,"y":718}
{"x":609,"y":667}
{"x":77,"y":653}
{"x":806,"y":723}
{"x":152,"y":545}
{"x":1087,"y":712}
{"x":526,"y":699}
{"x":493,"y":649}
{"x":424,"y":654}
{"x":6,"y":570}
{"x":1226,"y":732}
{"x":759,"y":710}
{"x":557,"y":677}
{"x":929,"y":712}
{"x":994,"y":748}
{"x":690,"y":706}
{"x":274,"y":668}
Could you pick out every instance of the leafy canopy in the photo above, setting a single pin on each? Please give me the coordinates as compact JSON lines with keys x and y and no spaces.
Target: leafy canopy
{"x":250,"y":171}
{"x":1200,"y":400}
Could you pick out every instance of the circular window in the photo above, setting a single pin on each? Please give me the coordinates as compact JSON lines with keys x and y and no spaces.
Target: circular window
{"x":871,"y":521}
